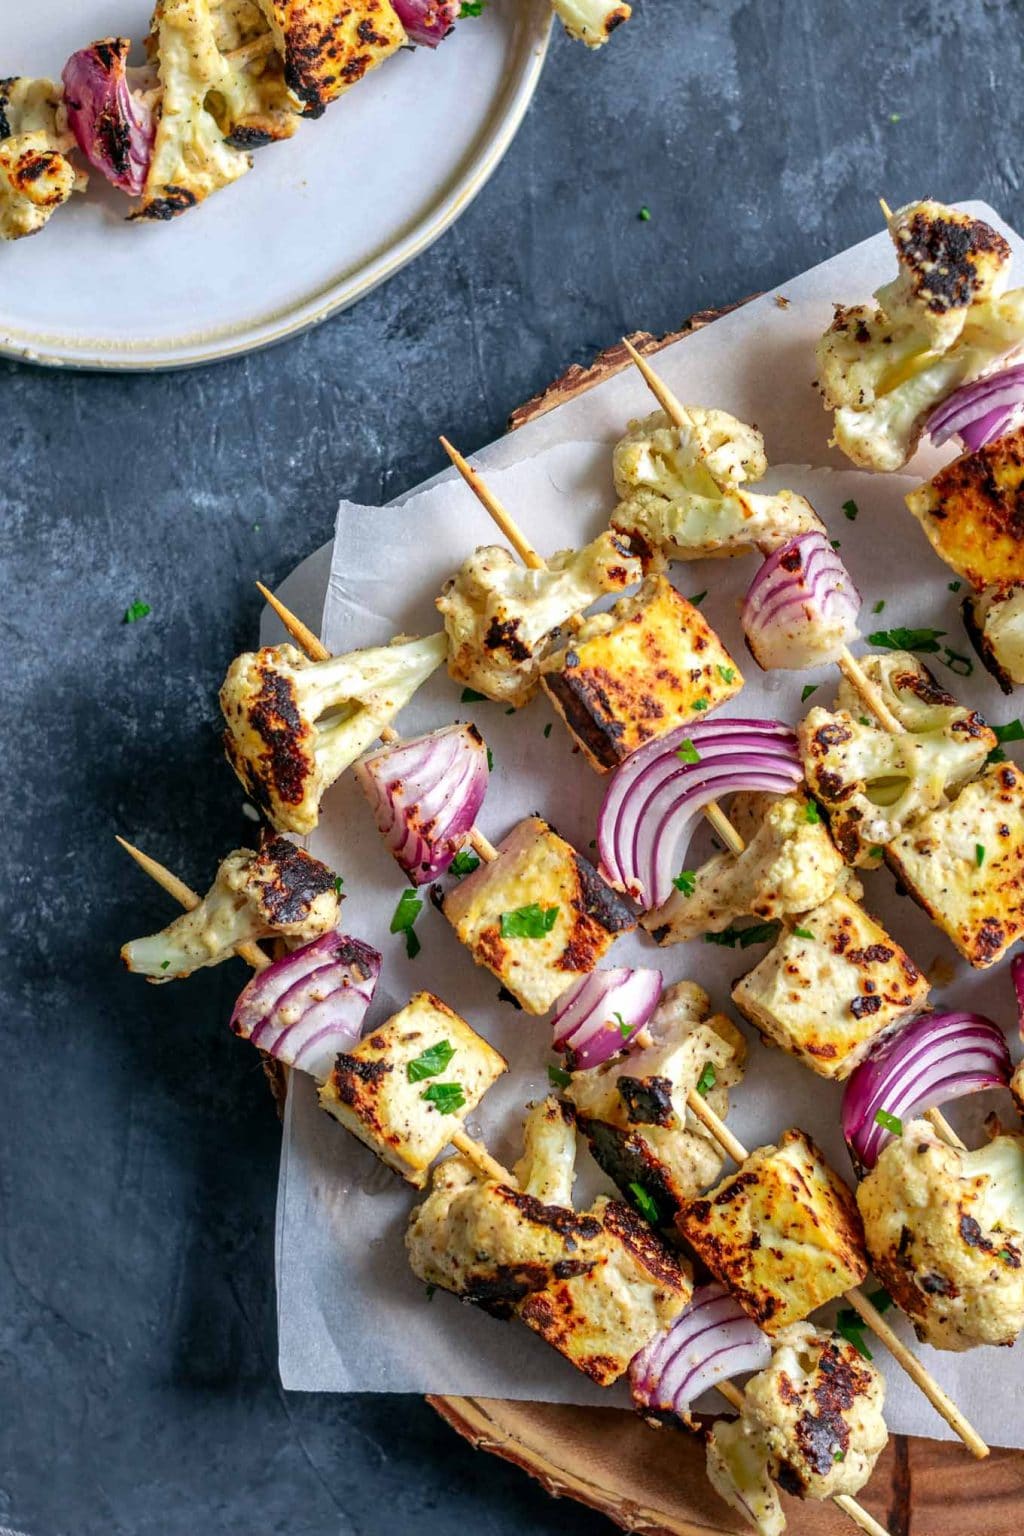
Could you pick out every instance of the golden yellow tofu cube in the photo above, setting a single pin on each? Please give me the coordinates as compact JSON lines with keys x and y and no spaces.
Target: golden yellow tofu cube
{"x":830,"y":987}
{"x":539,"y":916}
{"x":328,"y":46}
{"x":782,"y":1233}
{"x":964,"y":864}
{"x":406,"y":1088}
{"x":652,"y":663}
{"x":971,"y":512}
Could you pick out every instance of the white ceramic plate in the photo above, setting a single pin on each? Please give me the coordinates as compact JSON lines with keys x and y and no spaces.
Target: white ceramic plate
{"x":318,"y":222}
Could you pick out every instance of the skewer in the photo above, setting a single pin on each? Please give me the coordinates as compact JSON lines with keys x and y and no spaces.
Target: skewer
{"x":535,"y":562}
{"x":886,"y":210}
{"x":849,"y":1506}
{"x":317,"y":651}
{"x":922,"y":1378}
{"x":477,"y":1154}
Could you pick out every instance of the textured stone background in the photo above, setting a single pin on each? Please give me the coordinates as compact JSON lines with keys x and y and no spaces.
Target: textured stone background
{"x":138,"y":1145}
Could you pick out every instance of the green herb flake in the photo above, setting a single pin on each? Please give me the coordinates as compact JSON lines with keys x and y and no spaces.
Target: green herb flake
{"x":687,"y":752}
{"x":699,"y":597}
{"x":880,"y":1300}
{"x":511,"y":710}
{"x":1013,"y":730}
{"x":447,"y":1098}
{"x":470,"y":696}
{"x":878,"y":851}
{"x":431,"y":1061}
{"x":136,"y":611}
{"x":757,"y":933}
{"x":463,"y":863}
{"x":851,"y":509}
{"x":338,"y":883}
{"x":803,"y":933}
{"x":700,"y":704}
{"x":926,"y":640}
{"x":529,"y":922}
{"x":625,"y":1030}
{"x":727,"y":674}
{"x":645,"y":1204}
{"x":979,"y":854}
{"x":811,"y":813}
{"x":490,"y":761}
{"x":809,"y":688}
{"x":889,"y":1122}
{"x":850,"y":1326}
{"x":835,"y":543}
{"x":165,"y":965}
{"x":1008,"y":1255}
{"x":547,"y":730}
{"x":707,"y":1080}
{"x":471,"y":8}
{"x":954,"y":586}
{"x":879,"y":605}
{"x":686,"y":881}
{"x":644,"y":215}
{"x":963,"y":666}
{"x":558,"y":1077}
{"x":408,"y":910}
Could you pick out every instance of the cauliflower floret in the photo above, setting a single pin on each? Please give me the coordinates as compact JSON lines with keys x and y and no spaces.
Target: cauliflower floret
{"x":36,"y":176}
{"x":945,"y":1231}
{"x":547,"y":1168}
{"x":501,"y":617}
{"x":737,"y":1467}
{"x":995,"y":622}
{"x":591,"y":21}
{"x":948,"y":262}
{"x":281,"y":891}
{"x":294,"y":725}
{"x":680,"y":489}
{"x":911,"y":692}
{"x":789,"y":865}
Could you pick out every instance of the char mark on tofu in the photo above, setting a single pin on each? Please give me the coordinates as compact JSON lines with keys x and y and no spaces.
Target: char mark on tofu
{"x":994,"y":620}
{"x":327,"y":47}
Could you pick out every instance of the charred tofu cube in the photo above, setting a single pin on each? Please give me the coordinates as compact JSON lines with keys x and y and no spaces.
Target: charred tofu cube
{"x":830,"y":987}
{"x":649,"y":665}
{"x":972,"y":512}
{"x":539,"y":916}
{"x":782,"y":1233}
{"x":964,"y":864}
{"x":328,"y":47}
{"x":406,"y":1088}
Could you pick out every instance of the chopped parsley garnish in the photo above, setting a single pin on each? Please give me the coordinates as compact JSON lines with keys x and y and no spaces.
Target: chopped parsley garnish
{"x":645,"y":1204}
{"x":547,"y":729}
{"x":490,"y":761}
{"x":707,"y":1080}
{"x":879,"y":605}
{"x":338,"y":883}
{"x":408,"y":910}
{"x":889,"y":1122}
{"x":809,"y":688}
{"x":803,"y":933}
{"x":625,"y":1030}
{"x":1007,"y":1254}
{"x":727,"y":674}
{"x":699,"y":597}
{"x":700,"y":703}
{"x":907,"y":639}
{"x":136,"y":611}
{"x":686,"y":881}
{"x":979,"y":854}
{"x":851,"y":509}
{"x":835,"y":544}
{"x":431,"y":1061}
{"x":471,"y":8}
{"x":687,"y":752}
{"x":851,"y":1327}
{"x":878,"y":851}
{"x":811,"y":813}
{"x":1013,"y":730}
{"x":511,"y":710}
{"x":963,"y":666}
{"x":757,"y":933}
{"x":644,"y":214}
{"x":954,"y":586}
{"x":558,"y":1077}
{"x":470,"y":695}
{"x":464,"y":863}
{"x":165,"y":965}
{"x":529,"y":922}
{"x":447,"y":1097}
{"x":430,"y":1292}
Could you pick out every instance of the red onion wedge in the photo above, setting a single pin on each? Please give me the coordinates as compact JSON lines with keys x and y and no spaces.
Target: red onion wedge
{"x":979,"y":411}
{"x":935,"y":1058}
{"x":114,"y":129}
{"x":426,"y":795}
{"x":654,"y":798}
{"x":1017,"y":977}
{"x":599,"y":1016}
{"x":711,"y":1341}
{"x":427,"y":22}
{"x":802,"y":606}
{"x":310,"y":1005}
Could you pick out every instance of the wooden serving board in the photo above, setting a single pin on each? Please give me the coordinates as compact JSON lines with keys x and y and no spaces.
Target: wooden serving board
{"x":652,"y":1481}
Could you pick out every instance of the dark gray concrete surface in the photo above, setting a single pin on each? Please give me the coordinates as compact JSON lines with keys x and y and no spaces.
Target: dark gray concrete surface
{"x":138,"y":1145}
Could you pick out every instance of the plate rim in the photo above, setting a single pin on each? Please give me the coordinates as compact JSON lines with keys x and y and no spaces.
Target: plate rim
{"x":304,"y":314}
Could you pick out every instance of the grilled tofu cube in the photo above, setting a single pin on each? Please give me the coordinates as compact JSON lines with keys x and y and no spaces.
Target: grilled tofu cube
{"x":830,"y":987}
{"x":328,"y":47}
{"x":971,"y":512}
{"x":632,"y":1110}
{"x":994,"y":619}
{"x":964,"y":864}
{"x":404,"y":1113}
{"x":649,"y":665}
{"x":539,"y":916}
{"x":782,"y":1233}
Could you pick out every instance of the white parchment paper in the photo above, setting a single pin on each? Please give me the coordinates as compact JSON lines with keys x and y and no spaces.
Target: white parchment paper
{"x":351,"y":1316}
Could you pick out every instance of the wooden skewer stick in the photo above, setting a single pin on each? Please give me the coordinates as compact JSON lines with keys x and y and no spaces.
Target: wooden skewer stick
{"x":849,"y":1506}
{"x":472,"y":1150}
{"x":886,"y":210}
{"x":863,"y":1307}
{"x":535,"y":562}
{"x":317,"y":651}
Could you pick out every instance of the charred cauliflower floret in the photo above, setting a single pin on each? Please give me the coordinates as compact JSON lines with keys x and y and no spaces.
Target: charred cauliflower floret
{"x":596,"y":1285}
{"x":591,"y":21}
{"x":789,"y":865}
{"x":36,"y":175}
{"x":294,"y":725}
{"x":501,"y":617}
{"x":737,"y":1468}
{"x":328,"y":47}
{"x":281,"y":891}
{"x":815,"y":1413}
{"x":911,"y":692}
{"x":994,"y":619}
{"x":251,"y":103}
{"x":945,"y":320}
{"x":945,"y":1230}
{"x":876,"y":783}
{"x":972,"y":512}
{"x":680,"y":495}
{"x":632,"y":1110}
